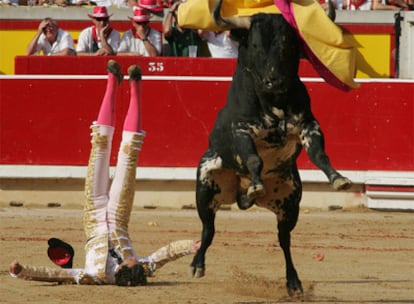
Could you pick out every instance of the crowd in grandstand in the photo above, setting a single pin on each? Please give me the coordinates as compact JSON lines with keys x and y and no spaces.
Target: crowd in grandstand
{"x":143,"y":40}
{"x":101,"y":39}
{"x":160,"y":4}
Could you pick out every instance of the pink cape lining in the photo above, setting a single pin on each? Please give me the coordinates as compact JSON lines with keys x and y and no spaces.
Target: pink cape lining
{"x":285,"y":7}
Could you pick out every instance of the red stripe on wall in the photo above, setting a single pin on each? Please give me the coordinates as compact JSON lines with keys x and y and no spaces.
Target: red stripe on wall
{"x":369,"y":29}
{"x":389,"y":188}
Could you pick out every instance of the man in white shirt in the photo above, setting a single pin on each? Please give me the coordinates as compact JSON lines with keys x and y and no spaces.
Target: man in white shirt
{"x":219,"y":44}
{"x":51,"y":40}
{"x":99,"y":39}
{"x":140,"y":40}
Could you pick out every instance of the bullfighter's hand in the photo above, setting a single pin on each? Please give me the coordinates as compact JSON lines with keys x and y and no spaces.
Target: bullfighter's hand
{"x":15,"y":267}
{"x":195,"y":246}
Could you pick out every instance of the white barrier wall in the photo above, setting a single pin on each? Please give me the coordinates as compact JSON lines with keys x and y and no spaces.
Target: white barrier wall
{"x":406,"y":52}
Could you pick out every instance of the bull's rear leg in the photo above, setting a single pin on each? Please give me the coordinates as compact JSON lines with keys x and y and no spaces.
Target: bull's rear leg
{"x":204,"y":196}
{"x":314,"y":143}
{"x":287,"y":220}
{"x":293,"y":284}
{"x":207,"y":216}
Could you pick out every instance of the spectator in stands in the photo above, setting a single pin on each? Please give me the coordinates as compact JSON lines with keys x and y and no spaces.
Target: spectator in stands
{"x":365,"y":5}
{"x":154,"y":6}
{"x":337,"y":4}
{"x":394,"y":5}
{"x":80,"y":2}
{"x":141,"y":39}
{"x":178,"y":38}
{"x":220,"y":44}
{"x":99,"y":39}
{"x":124,"y":3}
{"x":51,"y":40}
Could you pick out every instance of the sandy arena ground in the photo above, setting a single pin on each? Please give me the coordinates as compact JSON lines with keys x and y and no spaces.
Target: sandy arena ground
{"x":368,"y":257}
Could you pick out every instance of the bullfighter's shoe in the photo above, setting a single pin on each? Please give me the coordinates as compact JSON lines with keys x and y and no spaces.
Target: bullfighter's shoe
{"x":115,"y":68}
{"x":134,"y":72}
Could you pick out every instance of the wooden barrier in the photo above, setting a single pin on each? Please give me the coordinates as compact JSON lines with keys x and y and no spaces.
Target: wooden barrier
{"x":44,"y":119}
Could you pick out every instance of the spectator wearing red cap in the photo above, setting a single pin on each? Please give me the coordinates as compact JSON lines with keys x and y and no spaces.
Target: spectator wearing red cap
{"x":99,"y":39}
{"x":153,"y":6}
{"x":141,"y":39}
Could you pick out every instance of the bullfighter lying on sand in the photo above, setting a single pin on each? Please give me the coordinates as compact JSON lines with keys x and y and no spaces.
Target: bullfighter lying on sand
{"x":110,"y":256}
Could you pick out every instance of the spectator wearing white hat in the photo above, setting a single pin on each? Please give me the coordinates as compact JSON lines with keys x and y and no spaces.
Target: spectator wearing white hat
{"x":99,"y":39}
{"x":141,"y":39}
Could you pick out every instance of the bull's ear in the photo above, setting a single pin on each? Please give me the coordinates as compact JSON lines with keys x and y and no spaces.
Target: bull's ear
{"x":239,"y":35}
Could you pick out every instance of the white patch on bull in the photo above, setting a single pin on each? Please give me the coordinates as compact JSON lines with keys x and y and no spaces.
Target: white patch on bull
{"x":207,"y":166}
{"x":268,"y":120}
{"x":278,"y":112}
{"x":306,"y":135}
{"x":281,"y":125}
{"x":239,"y":160}
{"x":294,"y":125}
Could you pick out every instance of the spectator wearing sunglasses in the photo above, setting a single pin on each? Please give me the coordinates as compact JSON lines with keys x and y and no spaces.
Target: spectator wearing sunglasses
{"x":141,"y":39}
{"x":99,"y":39}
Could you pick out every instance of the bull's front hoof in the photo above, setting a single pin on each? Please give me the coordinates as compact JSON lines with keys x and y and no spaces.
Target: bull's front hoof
{"x":295,"y":289}
{"x":255,"y":191}
{"x":196,"y":272}
{"x":341,"y":183}
{"x":244,"y":202}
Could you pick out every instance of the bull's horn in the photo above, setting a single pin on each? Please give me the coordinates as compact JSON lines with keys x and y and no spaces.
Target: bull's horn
{"x":229,"y":23}
{"x":331,"y":11}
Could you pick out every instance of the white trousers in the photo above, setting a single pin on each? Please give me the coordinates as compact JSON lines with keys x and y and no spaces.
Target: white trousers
{"x":107,"y":208}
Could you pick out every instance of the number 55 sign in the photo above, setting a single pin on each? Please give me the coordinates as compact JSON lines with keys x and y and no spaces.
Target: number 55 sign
{"x":155,"y":66}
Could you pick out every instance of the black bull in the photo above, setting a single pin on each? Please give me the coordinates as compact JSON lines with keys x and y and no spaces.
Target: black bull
{"x":258,"y":136}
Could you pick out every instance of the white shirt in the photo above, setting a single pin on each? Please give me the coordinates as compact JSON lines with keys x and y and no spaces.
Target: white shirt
{"x":85,"y":40}
{"x":120,"y":3}
{"x":366,"y":6}
{"x":220,"y":45}
{"x":63,"y":41}
{"x":106,"y":3}
{"x":131,"y":44}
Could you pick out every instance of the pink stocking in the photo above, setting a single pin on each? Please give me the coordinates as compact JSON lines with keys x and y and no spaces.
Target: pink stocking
{"x":106,"y":114}
{"x":132,"y":121}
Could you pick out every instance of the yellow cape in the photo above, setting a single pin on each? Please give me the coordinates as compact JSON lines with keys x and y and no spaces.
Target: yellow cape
{"x":332,"y":53}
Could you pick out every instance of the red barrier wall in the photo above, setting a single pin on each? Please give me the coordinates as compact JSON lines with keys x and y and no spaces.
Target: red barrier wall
{"x":166,"y":66}
{"x":45,"y":119}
